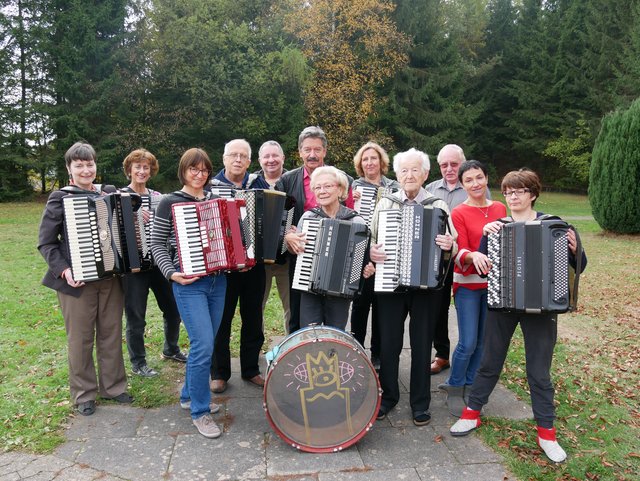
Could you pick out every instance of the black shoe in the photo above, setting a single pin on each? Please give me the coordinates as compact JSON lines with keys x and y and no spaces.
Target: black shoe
{"x":178,"y":356}
{"x":421,"y":418}
{"x":144,"y":371}
{"x":123,"y":398}
{"x":382,"y":413}
{"x":86,"y":408}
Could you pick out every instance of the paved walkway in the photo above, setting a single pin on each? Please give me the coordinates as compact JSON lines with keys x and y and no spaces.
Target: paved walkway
{"x":129,"y":443}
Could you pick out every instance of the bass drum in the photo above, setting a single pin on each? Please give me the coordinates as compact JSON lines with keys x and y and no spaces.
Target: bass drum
{"x":321,"y":393}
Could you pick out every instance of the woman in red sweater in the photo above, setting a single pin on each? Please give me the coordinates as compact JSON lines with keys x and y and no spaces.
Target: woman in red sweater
{"x":469,"y":283}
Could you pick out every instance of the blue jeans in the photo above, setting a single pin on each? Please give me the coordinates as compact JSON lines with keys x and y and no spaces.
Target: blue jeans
{"x":471,"y":307}
{"x":200,"y":305}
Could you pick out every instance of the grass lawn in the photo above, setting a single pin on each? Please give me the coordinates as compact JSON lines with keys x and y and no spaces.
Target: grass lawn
{"x":596,"y":368}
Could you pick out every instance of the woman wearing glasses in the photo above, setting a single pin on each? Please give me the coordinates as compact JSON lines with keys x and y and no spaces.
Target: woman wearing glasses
{"x":200,"y":300}
{"x":330,"y":186}
{"x":469,"y":281}
{"x":521,"y":189}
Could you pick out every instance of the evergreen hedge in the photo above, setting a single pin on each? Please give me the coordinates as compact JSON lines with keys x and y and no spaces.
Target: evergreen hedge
{"x":614,"y":185}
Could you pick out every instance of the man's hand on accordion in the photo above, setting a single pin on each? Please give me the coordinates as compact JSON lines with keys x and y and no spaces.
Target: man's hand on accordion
{"x":445,"y":242}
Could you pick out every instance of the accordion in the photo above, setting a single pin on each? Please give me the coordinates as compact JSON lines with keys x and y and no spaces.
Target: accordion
{"x":210,"y":237}
{"x":102,"y":235}
{"x":369,"y":197}
{"x":264,"y":220}
{"x":530,"y":267}
{"x":147,"y":209}
{"x":414,"y":260}
{"x":333,"y":257}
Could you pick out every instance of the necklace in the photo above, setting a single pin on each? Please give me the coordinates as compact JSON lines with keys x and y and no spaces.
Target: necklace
{"x":484,"y":212}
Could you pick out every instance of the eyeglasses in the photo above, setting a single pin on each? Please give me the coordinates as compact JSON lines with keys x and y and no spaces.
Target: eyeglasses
{"x":517,"y":192}
{"x":195,"y":171}
{"x":325,"y":187}
{"x":237,"y":155}
{"x":415,"y":171}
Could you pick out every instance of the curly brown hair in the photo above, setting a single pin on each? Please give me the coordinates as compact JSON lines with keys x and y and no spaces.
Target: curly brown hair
{"x":140,"y":155}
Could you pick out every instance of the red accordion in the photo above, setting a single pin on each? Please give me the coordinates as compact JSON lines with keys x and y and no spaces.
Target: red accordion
{"x":210,"y":236}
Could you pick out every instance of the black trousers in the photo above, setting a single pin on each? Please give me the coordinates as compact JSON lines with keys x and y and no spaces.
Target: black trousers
{"x":294,"y":297}
{"x":540,"y":332}
{"x":441,"y":342}
{"x":248,"y":287}
{"x":366,"y":301}
{"x":136,"y":293}
{"x":421,"y":306}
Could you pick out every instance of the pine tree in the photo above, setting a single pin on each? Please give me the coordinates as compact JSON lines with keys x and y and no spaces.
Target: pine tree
{"x":614,"y":191}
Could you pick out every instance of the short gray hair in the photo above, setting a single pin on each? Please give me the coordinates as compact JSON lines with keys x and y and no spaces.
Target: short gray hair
{"x":341,"y":178}
{"x":272,"y":143}
{"x":400,"y":156}
{"x":312,"y":132}
{"x":456,"y":148}
{"x":226,"y":146}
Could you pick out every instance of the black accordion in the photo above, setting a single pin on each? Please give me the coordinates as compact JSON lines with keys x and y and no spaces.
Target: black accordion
{"x":264,"y":219}
{"x":414,"y":260}
{"x":530,"y":270}
{"x":333,"y":257}
{"x":147,"y":209}
{"x":102,"y":235}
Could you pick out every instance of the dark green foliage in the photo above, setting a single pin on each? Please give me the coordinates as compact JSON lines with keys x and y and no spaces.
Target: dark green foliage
{"x":614,"y":188}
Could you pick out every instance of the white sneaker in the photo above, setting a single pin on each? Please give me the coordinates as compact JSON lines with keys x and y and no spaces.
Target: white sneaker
{"x":213,"y":407}
{"x":553,"y":450}
{"x":207,"y":426}
{"x":462,"y":427}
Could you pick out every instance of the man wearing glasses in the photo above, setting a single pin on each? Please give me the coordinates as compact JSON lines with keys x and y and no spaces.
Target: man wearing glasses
{"x":449,"y":189}
{"x":243,"y":286}
{"x":312,"y":148}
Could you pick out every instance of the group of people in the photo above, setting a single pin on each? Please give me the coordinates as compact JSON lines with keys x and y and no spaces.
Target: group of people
{"x":207,"y":305}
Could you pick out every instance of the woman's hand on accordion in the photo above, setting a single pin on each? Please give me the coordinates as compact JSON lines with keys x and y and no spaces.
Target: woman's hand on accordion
{"x":481,"y":262}
{"x":445,"y":242}
{"x":295,"y":242}
{"x":492,"y":227}
{"x":68,"y":276}
{"x":573,"y":242}
{"x":376,"y":253}
{"x":356,"y":194}
{"x":182,"y":279}
{"x":369,"y":270}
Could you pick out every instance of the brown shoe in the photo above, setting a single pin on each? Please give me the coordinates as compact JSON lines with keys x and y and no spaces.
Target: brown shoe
{"x":218,"y":386}
{"x":438,"y":365}
{"x":258,"y":380}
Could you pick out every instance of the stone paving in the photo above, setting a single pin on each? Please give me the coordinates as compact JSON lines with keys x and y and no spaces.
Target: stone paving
{"x":130,"y":443}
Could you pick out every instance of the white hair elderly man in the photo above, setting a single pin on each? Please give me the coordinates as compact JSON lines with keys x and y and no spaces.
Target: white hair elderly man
{"x":412,"y":169}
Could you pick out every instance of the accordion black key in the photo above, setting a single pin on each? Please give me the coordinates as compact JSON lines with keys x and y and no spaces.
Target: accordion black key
{"x":101,"y":235}
{"x":530,"y":267}
{"x":209,"y":236}
{"x":414,"y":260}
{"x":333,"y":259}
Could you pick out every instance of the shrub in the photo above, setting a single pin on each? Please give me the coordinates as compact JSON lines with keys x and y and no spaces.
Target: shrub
{"x":614,"y":185}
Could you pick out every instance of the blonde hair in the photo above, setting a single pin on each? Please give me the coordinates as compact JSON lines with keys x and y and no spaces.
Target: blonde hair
{"x":384,"y":158}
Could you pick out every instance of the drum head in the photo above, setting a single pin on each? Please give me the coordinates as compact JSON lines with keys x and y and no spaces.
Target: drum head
{"x":321,"y":393}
